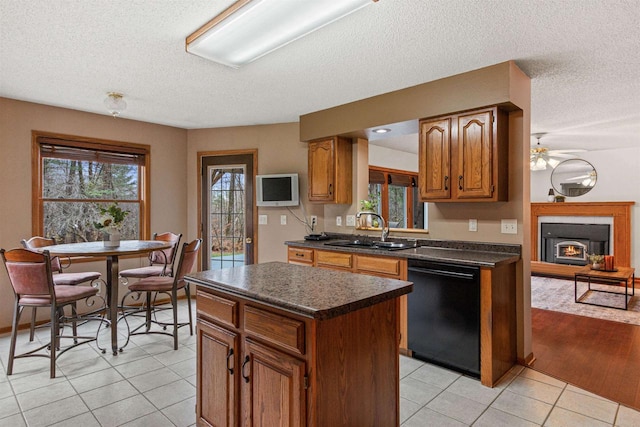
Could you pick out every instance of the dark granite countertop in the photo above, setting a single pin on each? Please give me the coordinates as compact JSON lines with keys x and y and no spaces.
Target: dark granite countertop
{"x":311,"y":292}
{"x":457,"y":252}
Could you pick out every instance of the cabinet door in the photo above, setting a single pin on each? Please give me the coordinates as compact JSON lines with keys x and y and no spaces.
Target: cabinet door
{"x":434,"y":174}
{"x":321,"y":170}
{"x":217,"y":392}
{"x":475,"y":155}
{"x":273,"y":387}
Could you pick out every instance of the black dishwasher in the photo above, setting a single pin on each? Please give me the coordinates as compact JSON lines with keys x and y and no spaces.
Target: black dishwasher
{"x":444,"y":315}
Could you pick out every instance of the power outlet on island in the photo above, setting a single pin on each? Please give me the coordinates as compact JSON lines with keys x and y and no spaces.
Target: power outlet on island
{"x":509,"y":226}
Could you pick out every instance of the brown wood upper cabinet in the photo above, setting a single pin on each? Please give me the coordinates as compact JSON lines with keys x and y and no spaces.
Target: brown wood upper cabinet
{"x":330,"y":170}
{"x":464,"y":157}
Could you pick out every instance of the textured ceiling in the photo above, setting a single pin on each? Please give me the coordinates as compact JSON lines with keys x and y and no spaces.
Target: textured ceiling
{"x":583,"y":57}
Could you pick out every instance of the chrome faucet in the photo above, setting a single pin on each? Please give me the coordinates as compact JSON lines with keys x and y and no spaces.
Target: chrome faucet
{"x":385,"y":227}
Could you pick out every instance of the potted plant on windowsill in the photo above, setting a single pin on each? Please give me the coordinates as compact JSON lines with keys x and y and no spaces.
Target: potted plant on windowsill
{"x":110,"y":221}
{"x":367,"y":221}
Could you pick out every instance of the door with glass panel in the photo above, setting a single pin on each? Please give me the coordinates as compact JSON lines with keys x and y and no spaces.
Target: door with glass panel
{"x":227,"y":211}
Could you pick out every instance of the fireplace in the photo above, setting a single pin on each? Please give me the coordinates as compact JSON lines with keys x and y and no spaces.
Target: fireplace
{"x":563,"y":243}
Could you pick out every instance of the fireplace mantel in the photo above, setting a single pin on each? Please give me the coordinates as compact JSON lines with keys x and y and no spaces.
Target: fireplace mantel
{"x":619,"y":211}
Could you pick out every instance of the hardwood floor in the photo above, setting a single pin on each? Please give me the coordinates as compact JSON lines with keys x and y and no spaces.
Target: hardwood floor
{"x":600,"y":356}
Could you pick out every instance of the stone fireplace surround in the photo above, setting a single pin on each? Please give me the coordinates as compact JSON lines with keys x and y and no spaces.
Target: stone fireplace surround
{"x":618,"y":214}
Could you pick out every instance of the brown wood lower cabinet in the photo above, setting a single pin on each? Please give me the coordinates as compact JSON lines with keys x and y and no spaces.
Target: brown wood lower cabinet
{"x":262,"y":366}
{"x":217,"y":364}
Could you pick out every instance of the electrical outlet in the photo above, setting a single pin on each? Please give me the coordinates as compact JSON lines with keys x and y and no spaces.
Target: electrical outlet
{"x":509,"y":226}
{"x":313,"y":220}
{"x":339,"y":221}
{"x":283,"y":220}
{"x":262,"y":219}
{"x":473,"y":225}
{"x":351,"y":220}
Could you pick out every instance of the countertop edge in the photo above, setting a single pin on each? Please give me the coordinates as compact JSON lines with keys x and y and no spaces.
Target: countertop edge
{"x":499,"y":258}
{"x":320,"y":314}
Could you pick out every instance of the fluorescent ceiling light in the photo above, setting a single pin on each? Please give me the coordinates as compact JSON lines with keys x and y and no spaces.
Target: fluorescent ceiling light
{"x":250,"y":29}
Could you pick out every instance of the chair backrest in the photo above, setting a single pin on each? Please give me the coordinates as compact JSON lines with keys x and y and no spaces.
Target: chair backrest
{"x":29,"y":271}
{"x":167,"y":256}
{"x":188,"y":259}
{"x":40,"y":242}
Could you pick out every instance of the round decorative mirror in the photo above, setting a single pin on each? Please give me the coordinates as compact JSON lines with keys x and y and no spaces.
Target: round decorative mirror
{"x":573,"y":177}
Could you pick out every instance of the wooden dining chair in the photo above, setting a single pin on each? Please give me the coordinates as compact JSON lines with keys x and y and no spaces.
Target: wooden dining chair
{"x":59,"y":276}
{"x":160,"y":262}
{"x":153,"y":286}
{"x":31,"y":277}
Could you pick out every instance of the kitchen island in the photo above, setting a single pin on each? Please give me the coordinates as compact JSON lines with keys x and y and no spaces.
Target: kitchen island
{"x":282,"y":344}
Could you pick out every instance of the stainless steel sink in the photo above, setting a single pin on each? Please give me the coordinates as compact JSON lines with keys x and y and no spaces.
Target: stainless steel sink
{"x":385,"y":246}
{"x":391,"y":245}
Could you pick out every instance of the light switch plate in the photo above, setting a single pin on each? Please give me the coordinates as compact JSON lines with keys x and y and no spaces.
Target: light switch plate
{"x":283,"y":220}
{"x":339,"y":221}
{"x":351,"y":220}
{"x":473,"y":225}
{"x":262,"y":219}
{"x":509,"y":226}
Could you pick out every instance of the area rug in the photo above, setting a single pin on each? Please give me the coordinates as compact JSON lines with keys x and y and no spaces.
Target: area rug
{"x":558,"y":295}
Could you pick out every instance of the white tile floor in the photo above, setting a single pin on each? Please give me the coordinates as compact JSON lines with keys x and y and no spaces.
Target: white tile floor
{"x":150,"y":384}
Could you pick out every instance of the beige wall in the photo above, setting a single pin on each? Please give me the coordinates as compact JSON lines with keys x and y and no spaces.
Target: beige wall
{"x":18,"y":119}
{"x":279,"y":151}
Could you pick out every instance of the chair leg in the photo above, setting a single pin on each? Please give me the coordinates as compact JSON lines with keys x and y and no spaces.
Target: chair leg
{"x":54,"y":340}
{"x":188,"y":292}
{"x":174,"y":303}
{"x":74,"y":323}
{"x":32,"y":328}
{"x":148,"y":312}
{"x":17,"y":310}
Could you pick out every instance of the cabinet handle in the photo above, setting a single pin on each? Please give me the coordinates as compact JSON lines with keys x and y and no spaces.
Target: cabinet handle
{"x":246,"y":378}
{"x":229,"y":357}
{"x":446,"y":179}
{"x":331,"y":189}
{"x":460,"y":182}
{"x":300,"y":255}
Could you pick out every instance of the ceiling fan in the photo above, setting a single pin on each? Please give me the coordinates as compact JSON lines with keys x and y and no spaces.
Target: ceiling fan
{"x":542,"y":156}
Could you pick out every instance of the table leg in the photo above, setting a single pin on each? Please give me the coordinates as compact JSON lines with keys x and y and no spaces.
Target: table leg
{"x":112,"y":283}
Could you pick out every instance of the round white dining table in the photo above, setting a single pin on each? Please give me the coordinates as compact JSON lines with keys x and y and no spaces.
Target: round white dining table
{"x":98,"y":249}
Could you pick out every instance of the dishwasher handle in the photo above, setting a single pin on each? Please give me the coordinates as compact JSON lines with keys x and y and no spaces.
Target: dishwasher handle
{"x":444,"y":273}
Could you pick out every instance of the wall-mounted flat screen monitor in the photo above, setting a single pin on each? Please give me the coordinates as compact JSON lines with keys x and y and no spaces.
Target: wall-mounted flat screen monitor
{"x":277,"y":190}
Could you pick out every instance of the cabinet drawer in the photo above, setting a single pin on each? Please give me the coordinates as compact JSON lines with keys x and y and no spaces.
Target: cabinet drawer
{"x":217,"y":308}
{"x":334,"y":259}
{"x":300,"y":255}
{"x":378,"y":266}
{"x":275,"y":328}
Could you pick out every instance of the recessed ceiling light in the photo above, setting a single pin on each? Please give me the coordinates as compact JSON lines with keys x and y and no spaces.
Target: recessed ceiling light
{"x":382,"y":130}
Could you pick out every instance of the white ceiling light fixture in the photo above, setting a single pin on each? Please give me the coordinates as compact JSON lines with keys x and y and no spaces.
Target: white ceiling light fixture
{"x":115,"y":103}
{"x":250,"y":29}
{"x":382,"y":130}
